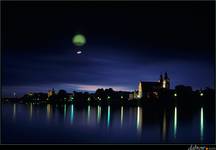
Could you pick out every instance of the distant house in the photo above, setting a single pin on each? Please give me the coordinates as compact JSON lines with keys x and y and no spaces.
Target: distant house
{"x":133,"y":95}
{"x":51,"y":92}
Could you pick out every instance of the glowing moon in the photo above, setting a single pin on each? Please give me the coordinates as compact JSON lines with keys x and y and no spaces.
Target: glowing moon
{"x":79,"y":40}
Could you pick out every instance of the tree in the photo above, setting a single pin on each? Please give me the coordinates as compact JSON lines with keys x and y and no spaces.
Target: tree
{"x":62,"y":95}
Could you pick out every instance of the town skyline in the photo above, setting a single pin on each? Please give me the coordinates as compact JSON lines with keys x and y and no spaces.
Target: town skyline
{"x":93,"y":88}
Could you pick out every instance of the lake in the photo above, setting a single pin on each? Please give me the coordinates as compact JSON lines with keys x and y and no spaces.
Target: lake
{"x":70,"y":124}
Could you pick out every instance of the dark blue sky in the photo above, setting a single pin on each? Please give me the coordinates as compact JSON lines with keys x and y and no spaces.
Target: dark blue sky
{"x":125,"y":43}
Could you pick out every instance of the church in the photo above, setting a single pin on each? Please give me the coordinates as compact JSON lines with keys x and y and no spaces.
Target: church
{"x":149,"y":89}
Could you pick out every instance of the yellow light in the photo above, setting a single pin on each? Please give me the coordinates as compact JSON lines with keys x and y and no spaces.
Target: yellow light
{"x":175,"y":94}
{"x":201,"y":94}
{"x":164,"y":84}
{"x":139,"y":90}
{"x":139,"y":120}
{"x":48,"y":111}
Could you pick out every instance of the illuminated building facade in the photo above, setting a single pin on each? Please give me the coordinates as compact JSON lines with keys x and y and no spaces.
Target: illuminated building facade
{"x":148,"y":89}
{"x":51,"y":92}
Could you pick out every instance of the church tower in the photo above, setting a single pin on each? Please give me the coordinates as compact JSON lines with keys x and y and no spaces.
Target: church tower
{"x":161,"y":80}
{"x":51,"y":92}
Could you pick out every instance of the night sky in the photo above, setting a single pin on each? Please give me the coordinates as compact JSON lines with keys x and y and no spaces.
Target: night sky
{"x":125,"y":43}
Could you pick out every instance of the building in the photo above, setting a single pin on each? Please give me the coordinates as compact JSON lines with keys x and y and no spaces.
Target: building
{"x":149,"y":89}
{"x":51,"y":92}
{"x":165,"y":81}
{"x":133,"y":95}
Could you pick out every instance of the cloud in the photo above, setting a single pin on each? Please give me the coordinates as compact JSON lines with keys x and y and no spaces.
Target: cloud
{"x":84,"y":87}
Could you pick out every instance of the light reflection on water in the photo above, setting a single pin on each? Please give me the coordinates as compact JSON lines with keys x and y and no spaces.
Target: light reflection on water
{"x":72,"y":114}
{"x":98,"y":114}
{"x":122,"y":119}
{"x":108,"y":117}
{"x":201,"y":123}
{"x":89,"y":111}
{"x":48,"y":111}
{"x":139,"y":120}
{"x":164,"y":126}
{"x":65,"y":111}
{"x":30,"y":112}
{"x":175,"y":122}
{"x":14,"y":111}
{"x":122,"y":115}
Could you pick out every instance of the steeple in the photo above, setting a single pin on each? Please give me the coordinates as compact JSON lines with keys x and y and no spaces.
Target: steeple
{"x":161,"y":78}
{"x":166,"y":76}
{"x":53,"y":91}
{"x":166,"y":81}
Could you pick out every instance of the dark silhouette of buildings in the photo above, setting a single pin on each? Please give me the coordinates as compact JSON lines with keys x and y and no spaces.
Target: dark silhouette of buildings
{"x":148,"y":94}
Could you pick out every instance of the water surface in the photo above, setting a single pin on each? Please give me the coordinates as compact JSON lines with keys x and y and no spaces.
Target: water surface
{"x":66,"y":124}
